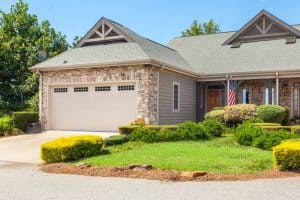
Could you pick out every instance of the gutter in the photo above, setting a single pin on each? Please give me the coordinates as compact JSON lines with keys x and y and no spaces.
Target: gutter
{"x":115,"y":64}
{"x":251,"y":75}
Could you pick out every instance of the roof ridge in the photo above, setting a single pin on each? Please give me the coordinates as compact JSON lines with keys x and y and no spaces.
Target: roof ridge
{"x":145,"y":38}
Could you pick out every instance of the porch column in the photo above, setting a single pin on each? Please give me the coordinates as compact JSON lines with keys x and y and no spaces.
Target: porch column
{"x":277,"y":89}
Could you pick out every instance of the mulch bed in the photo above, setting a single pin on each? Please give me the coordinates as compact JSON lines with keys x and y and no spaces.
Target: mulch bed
{"x":158,"y":174}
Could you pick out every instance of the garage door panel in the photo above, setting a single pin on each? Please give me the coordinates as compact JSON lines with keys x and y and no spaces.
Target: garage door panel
{"x":92,"y":110}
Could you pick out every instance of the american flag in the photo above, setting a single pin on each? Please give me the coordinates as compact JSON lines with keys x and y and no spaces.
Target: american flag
{"x":231,"y":95}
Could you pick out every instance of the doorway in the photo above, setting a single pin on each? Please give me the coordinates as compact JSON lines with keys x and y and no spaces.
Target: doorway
{"x":216,"y":97}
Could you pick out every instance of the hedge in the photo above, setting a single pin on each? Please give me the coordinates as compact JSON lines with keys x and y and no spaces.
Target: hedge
{"x":127,"y":130}
{"x":250,"y":134}
{"x":71,"y":148}
{"x":22,"y":119}
{"x":115,"y":140}
{"x":271,"y":113}
{"x":287,"y":155}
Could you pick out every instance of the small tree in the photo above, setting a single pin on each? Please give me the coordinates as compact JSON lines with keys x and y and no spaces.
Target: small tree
{"x":196,"y":28}
{"x":22,"y":37}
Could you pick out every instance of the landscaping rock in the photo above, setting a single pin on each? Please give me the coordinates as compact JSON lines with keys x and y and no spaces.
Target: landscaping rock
{"x":192,"y":175}
{"x":188,"y":175}
{"x":198,"y":173}
{"x":82,"y":165}
{"x":135,"y":166}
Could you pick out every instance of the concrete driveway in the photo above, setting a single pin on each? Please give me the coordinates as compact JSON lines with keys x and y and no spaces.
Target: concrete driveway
{"x":27,"y":182}
{"x":26,"y":148}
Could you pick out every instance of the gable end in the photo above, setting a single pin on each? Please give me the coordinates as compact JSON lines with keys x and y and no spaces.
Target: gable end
{"x":263,"y":26}
{"x":103,"y":32}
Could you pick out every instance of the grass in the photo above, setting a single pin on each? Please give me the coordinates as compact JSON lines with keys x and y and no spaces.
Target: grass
{"x":220,"y":155}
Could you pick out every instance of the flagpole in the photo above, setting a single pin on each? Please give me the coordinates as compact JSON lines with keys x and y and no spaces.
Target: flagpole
{"x":228,"y":88}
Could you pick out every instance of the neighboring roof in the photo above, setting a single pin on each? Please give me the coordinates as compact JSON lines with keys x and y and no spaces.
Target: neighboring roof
{"x":207,"y":54}
{"x":137,"y":49}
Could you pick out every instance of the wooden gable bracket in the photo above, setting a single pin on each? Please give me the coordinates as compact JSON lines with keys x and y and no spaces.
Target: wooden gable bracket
{"x":104,"y":30}
{"x":264,"y":26}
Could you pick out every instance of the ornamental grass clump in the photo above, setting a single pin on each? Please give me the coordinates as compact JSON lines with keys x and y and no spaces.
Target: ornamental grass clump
{"x":71,"y":148}
{"x":238,"y":113}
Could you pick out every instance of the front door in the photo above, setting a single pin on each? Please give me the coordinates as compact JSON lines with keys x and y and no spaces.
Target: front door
{"x":214,"y":98}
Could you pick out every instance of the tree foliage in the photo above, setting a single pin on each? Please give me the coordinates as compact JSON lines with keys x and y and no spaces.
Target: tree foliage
{"x":22,"y":37}
{"x":197,"y":28}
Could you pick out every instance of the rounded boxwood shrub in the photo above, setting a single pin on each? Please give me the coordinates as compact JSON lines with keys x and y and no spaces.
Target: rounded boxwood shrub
{"x":271,"y":113}
{"x":247,"y":132}
{"x":144,"y":134}
{"x":213,"y":127}
{"x":71,"y":148}
{"x":192,"y":131}
{"x":238,"y":113}
{"x":287,"y":155}
{"x":270,"y":139}
{"x":215,"y":114}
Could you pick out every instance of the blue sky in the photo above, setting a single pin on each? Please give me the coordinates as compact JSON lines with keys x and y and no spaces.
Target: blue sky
{"x":159,"y":20}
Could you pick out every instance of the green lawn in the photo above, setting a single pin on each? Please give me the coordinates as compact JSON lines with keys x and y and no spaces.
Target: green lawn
{"x":216,"y":156}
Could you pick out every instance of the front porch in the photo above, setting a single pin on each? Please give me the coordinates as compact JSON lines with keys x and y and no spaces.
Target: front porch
{"x":278,"y":90}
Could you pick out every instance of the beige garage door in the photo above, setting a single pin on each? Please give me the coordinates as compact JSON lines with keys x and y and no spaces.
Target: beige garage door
{"x":92,"y":107}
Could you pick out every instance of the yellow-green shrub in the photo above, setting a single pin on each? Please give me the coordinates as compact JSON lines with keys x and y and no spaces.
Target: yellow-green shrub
{"x":215,"y":114}
{"x":287,"y":155}
{"x":71,"y":148}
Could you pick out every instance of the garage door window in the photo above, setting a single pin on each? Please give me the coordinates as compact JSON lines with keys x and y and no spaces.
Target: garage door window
{"x":102,"y":88}
{"x":125,"y":87}
{"x":60,"y":90}
{"x":81,"y":89}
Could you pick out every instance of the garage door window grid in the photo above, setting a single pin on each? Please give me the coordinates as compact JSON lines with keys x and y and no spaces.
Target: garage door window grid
{"x":125,"y":87}
{"x":81,"y":89}
{"x":60,"y":90}
{"x":102,"y":88}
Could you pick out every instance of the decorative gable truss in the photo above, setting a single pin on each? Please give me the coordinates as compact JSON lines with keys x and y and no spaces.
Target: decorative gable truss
{"x":104,"y":32}
{"x":264,"y":26}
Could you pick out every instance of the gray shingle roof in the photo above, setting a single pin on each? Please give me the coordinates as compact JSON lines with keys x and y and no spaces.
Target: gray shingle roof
{"x":207,"y":55}
{"x":140,"y":49}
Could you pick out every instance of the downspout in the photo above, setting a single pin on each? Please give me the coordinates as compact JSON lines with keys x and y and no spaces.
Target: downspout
{"x":40,"y":95}
{"x":158,"y":84}
{"x":277,"y":88}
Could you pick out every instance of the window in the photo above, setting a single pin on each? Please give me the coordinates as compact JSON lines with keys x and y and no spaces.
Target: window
{"x":125,"y":87}
{"x":102,"y":88}
{"x":81,"y":89}
{"x":176,"y":96}
{"x":245,"y":96}
{"x":60,"y":90}
{"x":266,"y":96}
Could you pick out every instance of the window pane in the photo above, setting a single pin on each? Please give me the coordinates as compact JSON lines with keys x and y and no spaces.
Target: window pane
{"x":176,"y":97}
{"x":245,"y":96}
{"x":266,"y":95}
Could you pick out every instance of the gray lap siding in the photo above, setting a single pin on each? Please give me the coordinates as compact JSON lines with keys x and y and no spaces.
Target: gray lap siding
{"x":187,"y":98}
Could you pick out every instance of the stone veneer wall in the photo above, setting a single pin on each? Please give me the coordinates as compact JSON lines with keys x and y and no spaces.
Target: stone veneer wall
{"x":146,"y":77}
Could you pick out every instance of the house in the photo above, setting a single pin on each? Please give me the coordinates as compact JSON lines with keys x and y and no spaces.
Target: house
{"x":115,"y":75}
